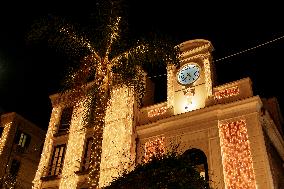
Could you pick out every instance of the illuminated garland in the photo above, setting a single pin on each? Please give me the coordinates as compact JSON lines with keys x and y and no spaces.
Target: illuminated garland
{"x":100,"y":73}
{"x":157,"y":111}
{"x":117,"y":152}
{"x":170,"y":85}
{"x":154,"y":148}
{"x":225,"y":93}
{"x":47,"y":148}
{"x":4,"y":136}
{"x":208,"y":81}
{"x":74,"y":150}
{"x":236,"y":155}
{"x":100,"y":88}
{"x":252,"y":48}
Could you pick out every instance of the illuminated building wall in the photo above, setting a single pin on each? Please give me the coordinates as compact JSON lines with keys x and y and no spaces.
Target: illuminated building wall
{"x":20,"y":142}
{"x":4,"y":136}
{"x":236,"y":155}
{"x":235,"y":150}
{"x":74,"y":151}
{"x":47,"y":148}
{"x":118,"y":145}
{"x":223,"y":122}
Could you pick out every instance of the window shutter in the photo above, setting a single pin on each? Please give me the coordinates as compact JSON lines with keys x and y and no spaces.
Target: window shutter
{"x":17,"y":137}
{"x":28,"y":141}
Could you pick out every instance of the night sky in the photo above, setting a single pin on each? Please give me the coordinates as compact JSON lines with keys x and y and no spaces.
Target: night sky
{"x":29,"y":74}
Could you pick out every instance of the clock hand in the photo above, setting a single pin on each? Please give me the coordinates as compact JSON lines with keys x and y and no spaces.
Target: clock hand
{"x":188,"y":75}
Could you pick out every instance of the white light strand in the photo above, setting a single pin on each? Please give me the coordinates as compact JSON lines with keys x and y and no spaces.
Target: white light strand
{"x":4,"y":137}
{"x":48,"y":144}
{"x":117,"y":141}
{"x":249,"y":49}
{"x":234,"y":54}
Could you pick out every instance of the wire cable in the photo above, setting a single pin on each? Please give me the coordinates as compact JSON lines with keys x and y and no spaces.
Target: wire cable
{"x":237,"y":53}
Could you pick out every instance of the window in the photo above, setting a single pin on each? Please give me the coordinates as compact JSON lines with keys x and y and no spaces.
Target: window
{"x":1,"y":131}
{"x":65,"y":120}
{"x":14,"y":169}
{"x":57,"y":159}
{"x":87,"y":155}
{"x":22,"y":139}
{"x":199,"y":160}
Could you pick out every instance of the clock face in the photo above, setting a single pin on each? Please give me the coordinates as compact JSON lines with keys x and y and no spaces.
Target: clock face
{"x":188,"y":74}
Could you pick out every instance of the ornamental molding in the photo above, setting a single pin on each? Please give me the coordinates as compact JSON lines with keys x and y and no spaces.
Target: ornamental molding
{"x":199,"y":56}
{"x":207,"y":114}
{"x":195,"y":46}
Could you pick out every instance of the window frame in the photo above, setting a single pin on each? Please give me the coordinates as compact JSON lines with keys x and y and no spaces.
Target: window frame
{"x":22,"y":139}
{"x":86,"y":159}
{"x":58,"y":157}
{"x":65,"y":119}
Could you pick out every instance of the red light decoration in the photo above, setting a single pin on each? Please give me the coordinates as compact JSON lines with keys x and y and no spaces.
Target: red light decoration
{"x":225,"y":93}
{"x":236,"y":155}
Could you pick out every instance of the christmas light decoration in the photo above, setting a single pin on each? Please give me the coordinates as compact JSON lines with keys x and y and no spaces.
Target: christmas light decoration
{"x":47,"y":148}
{"x":109,"y":69}
{"x":225,"y":93}
{"x":249,"y":49}
{"x":117,"y":146}
{"x":207,"y":71}
{"x":236,"y":155}
{"x":170,"y":85}
{"x":4,"y":136}
{"x":157,"y":111}
{"x":99,"y":92}
{"x":154,"y":147}
{"x":74,"y":150}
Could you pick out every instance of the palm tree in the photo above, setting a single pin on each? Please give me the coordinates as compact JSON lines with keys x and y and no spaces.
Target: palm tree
{"x":106,"y":62}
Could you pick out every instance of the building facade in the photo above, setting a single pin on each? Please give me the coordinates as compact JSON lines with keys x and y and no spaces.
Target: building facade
{"x":236,"y":135}
{"x":21,"y":143}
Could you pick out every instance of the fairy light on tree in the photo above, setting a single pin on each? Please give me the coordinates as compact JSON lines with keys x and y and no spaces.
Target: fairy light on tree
{"x":108,"y":62}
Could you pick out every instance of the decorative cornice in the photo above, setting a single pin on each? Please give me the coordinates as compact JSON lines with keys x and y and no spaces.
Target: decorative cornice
{"x":191,"y":47}
{"x":201,"y":56}
{"x":212,"y":113}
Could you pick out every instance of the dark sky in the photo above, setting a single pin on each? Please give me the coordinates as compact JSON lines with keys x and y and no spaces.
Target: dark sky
{"x":28,"y":75}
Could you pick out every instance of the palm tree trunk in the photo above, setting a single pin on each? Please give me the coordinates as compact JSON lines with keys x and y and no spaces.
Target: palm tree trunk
{"x":99,"y":103}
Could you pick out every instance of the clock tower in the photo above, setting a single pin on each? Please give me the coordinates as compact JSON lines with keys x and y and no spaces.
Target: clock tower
{"x":190,"y":84}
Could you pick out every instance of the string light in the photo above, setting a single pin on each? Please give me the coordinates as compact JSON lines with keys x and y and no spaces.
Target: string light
{"x":170,"y":85}
{"x":249,"y":49}
{"x":234,"y":54}
{"x":207,"y":71}
{"x":117,"y":146}
{"x":153,"y":148}
{"x":47,"y":148}
{"x":236,"y":155}
{"x":109,"y":145}
{"x":74,"y":150}
{"x":4,"y":136}
{"x":157,"y":111}
{"x":225,"y":93}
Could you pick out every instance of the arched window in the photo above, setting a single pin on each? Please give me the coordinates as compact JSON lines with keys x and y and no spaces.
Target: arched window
{"x":197,"y":158}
